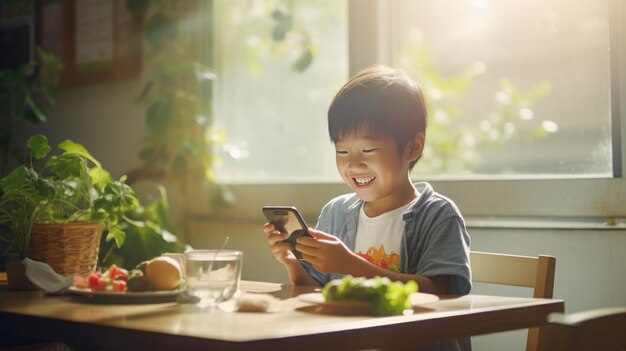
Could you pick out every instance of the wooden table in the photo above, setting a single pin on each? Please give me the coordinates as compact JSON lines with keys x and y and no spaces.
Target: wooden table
{"x":83,"y":324}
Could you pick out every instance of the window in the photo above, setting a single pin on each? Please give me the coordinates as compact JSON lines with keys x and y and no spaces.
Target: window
{"x":514,"y":88}
{"x":279,"y":64}
{"x":525,"y":97}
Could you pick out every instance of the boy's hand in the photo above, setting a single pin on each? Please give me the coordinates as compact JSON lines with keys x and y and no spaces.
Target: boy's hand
{"x":280,"y":250}
{"x":325,"y":252}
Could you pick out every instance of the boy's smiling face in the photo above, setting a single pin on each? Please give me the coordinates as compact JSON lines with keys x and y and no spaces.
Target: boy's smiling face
{"x":375,"y":170}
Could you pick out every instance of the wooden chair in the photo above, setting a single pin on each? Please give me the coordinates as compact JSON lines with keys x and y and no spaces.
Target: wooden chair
{"x":596,"y":329}
{"x":525,"y":271}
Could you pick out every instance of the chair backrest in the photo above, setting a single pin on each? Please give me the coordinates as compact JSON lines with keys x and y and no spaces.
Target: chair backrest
{"x":597,"y":329}
{"x":536,"y":272}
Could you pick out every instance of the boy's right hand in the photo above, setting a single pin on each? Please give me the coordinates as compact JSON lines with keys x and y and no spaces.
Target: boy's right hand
{"x":281,"y":250}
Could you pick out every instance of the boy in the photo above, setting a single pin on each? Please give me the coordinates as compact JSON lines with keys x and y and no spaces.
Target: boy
{"x":388,"y":226}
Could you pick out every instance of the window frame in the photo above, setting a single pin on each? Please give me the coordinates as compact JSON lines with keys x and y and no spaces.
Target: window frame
{"x":570,"y":198}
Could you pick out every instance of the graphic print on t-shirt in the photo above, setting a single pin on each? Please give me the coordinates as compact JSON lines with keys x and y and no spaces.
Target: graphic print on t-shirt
{"x":380,"y":258}
{"x":378,"y":238}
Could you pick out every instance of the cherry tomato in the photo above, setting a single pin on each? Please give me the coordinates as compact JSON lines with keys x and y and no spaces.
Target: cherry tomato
{"x":96,"y":283}
{"x":116,"y":273}
{"x":118,"y":285}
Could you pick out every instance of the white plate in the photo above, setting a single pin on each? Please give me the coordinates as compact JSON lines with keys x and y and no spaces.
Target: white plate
{"x":128,"y":296}
{"x":317,"y":298}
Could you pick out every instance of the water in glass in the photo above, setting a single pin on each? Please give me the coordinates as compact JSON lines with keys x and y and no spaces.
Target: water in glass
{"x":212,"y":276}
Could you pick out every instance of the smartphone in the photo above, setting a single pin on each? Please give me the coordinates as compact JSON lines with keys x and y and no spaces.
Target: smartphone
{"x":287,"y":219}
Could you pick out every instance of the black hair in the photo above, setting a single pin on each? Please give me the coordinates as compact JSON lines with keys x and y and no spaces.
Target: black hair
{"x":385,"y":101}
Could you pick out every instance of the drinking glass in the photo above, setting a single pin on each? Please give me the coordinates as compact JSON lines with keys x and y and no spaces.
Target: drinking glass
{"x":212,"y":276}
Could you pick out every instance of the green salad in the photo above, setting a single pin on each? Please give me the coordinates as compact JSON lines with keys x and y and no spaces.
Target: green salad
{"x":386,"y":297}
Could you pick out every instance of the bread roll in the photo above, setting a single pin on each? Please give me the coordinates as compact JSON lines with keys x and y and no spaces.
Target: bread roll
{"x":164,"y":273}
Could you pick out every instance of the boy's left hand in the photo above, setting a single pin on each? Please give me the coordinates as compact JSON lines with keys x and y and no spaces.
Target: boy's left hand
{"x":325,"y":252}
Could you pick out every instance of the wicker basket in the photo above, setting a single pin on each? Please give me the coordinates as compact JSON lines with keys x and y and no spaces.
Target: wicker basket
{"x":70,"y":248}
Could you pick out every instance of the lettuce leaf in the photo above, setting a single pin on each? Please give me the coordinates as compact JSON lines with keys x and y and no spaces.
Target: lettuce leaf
{"x":385,"y":297}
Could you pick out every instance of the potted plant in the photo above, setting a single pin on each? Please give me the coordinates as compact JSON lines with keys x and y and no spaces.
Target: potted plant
{"x":56,"y":214}
{"x":143,"y":242}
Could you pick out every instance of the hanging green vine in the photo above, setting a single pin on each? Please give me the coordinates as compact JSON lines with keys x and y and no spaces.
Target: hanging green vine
{"x":177,"y":97}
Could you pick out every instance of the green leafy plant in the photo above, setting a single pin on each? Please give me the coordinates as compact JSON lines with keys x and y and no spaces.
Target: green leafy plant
{"x":179,"y":148}
{"x":143,"y":242}
{"x":24,"y":90}
{"x":70,"y":187}
{"x":176,"y":95}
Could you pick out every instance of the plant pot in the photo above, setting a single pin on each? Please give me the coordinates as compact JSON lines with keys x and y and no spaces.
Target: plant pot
{"x":16,"y":276}
{"x":69,"y":248}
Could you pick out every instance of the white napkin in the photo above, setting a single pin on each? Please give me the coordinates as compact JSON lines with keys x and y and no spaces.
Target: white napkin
{"x":42,"y":275}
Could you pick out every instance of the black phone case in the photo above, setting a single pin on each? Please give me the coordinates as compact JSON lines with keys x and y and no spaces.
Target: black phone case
{"x":287,"y":219}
